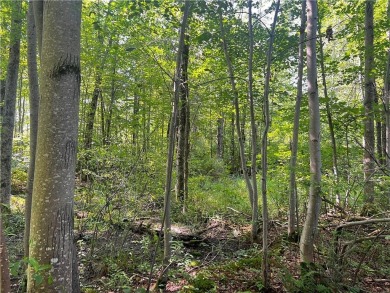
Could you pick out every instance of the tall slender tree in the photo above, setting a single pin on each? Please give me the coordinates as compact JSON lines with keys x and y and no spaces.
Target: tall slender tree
{"x":313,"y":210}
{"x":293,"y":196}
{"x":172,"y":140}
{"x":8,"y":118}
{"x":34,"y":104}
{"x":51,"y":229}
{"x":368,"y":103}
{"x":264,"y":150}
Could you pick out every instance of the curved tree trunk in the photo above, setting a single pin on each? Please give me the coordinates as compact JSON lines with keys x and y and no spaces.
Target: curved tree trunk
{"x":51,"y":230}
{"x":293,"y":198}
{"x":313,"y":211}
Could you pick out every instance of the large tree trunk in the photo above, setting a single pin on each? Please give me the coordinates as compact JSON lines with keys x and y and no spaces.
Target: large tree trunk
{"x":51,"y":230}
{"x":313,"y":210}
{"x":34,"y":105}
{"x":369,"y":96}
{"x":293,"y":197}
{"x":8,"y":122}
{"x":264,"y":155}
{"x":182,"y":140}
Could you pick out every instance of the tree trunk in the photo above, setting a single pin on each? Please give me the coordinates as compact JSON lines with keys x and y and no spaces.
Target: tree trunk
{"x":330,"y":120}
{"x":264,"y":155}
{"x":237,"y":111}
{"x":182,"y":127}
{"x":172,"y":140}
{"x":313,"y":211}
{"x":34,"y":105}
{"x":220,"y":130}
{"x":369,"y":96}
{"x":51,"y":229}
{"x":293,"y":196}
{"x":8,"y":122}
{"x":255,"y":196}
{"x":107,"y":139}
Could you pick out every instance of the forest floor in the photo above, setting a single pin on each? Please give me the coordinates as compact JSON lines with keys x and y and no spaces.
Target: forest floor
{"x":218,"y":256}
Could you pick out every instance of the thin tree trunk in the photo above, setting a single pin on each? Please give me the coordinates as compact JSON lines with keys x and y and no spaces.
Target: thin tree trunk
{"x":329,"y":117}
{"x":293,"y":198}
{"x":182,"y":131}
{"x":51,"y":228}
{"x":172,"y":140}
{"x":34,"y":105}
{"x":264,"y":155}
{"x":237,"y":111}
{"x":313,"y":211}
{"x":369,"y":96}
{"x":255,"y":196}
{"x":220,"y":130}
{"x":8,"y":122}
{"x":110,"y":107}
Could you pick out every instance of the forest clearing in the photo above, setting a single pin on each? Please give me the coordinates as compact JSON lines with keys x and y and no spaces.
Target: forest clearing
{"x":194,"y":146}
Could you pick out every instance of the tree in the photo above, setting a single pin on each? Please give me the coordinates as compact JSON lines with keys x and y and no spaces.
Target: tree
{"x":183,"y":129}
{"x":34,"y":104}
{"x":172,"y":139}
{"x":293,"y":200}
{"x":313,"y":210}
{"x":51,"y":232}
{"x":387,"y":96}
{"x":8,"y":121}
{"x":264,"y":146}
{"x":368,"y":103}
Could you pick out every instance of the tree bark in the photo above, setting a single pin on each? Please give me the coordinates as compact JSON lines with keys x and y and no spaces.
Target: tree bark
{"x":313,"y":211}
{"x":220,"y":137}
{"x":8,"y":122}
{"x":293,"y":196}
{"x":369,"y":96}
{"x":51,"y":229}
{"x":34,"y":105}
{"x":182,"y":140}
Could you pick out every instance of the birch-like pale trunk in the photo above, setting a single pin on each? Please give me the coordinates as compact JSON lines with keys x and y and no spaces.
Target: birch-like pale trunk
{"x":293,"y":196}
{"x":51,"y":229}
{"x":313,"y":210}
